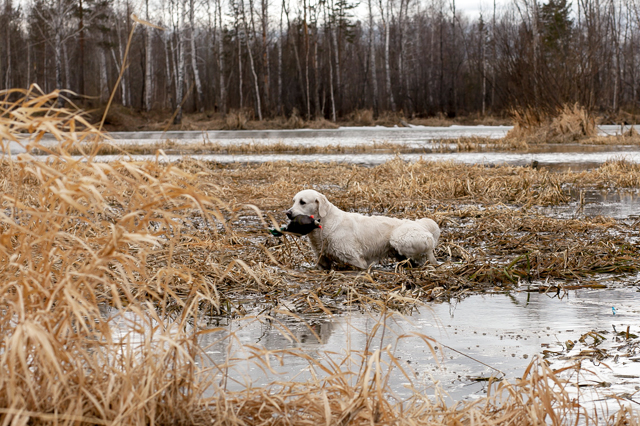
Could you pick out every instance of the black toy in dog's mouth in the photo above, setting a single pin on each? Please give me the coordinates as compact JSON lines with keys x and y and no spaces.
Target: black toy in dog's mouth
{"x":299,"y":225}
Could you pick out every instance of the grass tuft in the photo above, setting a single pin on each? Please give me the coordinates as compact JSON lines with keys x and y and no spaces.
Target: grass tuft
{"x":570,"y":123}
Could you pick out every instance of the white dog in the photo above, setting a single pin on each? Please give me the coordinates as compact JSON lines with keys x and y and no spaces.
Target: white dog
{"x":363,"y":240}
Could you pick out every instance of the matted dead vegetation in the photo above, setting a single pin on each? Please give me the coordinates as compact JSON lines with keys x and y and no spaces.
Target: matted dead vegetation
{"x":157,"y":246}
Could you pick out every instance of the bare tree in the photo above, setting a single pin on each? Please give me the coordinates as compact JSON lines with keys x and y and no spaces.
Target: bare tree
{"x":280,"y":41}
{"x":180,"y":68}
{"x":54,"y":14}
{"x":223,"y":99}
{"x":8,"y":12}
{"x":265,"y":53}
{"x":251,"y":63}
{"x":387,"y":67}
{"x":194,"y":56}
{"x":331,"y":89}
{"x":148,"y":80}
{"x":433,"y":57}
{"x":372,"y":60}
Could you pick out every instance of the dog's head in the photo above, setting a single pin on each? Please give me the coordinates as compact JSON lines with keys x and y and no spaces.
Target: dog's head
{"x":309,"y":203}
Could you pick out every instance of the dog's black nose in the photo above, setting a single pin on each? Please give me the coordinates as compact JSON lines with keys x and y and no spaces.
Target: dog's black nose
{"x":289,"y":215}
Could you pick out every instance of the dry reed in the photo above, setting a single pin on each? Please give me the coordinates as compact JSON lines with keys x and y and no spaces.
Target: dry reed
{"x":570,"y":123}
{"x":86,"y":245}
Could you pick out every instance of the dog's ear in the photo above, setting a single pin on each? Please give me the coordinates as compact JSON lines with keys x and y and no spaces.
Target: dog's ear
{"x":323,"y":205}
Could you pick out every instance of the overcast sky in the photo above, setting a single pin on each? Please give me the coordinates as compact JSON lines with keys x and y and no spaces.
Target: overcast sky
{"x":474,"y":7}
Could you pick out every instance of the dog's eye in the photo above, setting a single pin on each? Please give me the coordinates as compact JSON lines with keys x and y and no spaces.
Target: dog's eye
{"x":302,"y":202}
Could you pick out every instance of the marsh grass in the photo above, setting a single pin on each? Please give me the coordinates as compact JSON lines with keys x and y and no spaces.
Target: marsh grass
{"x":169,"y":146}
{"x":570,"y":123}
{"x":85,"y":245}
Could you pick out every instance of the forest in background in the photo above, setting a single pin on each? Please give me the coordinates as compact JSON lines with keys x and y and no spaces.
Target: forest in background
{"x":327,"y":58}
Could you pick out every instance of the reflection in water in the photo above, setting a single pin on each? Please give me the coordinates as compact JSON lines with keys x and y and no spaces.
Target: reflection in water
{"x":617,"y":204}
{"x":622,"y":204}
{"x":244,"y":344}
{"x":485,"y":333}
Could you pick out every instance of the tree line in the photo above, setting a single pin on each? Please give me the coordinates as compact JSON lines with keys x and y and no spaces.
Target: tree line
{"x":326,"y":58}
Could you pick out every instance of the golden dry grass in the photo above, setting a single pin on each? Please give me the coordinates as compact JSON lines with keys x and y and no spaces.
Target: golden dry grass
{"x":160,"y":245}
{"x":570,"y":123}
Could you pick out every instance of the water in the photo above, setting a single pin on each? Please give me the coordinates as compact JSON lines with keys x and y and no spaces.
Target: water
{"x":554,"y":157}
{"x":484,"y":335}
{"x":342,"y":135}
{"x":618,"y":204}
{"x":413,"y":137}
{"x":553,"y":161}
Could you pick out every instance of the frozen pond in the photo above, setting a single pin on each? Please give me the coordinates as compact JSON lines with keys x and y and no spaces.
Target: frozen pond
{"x":421,"y":140}
{"x":344,"y":136}
{"x":486,"y":335}
{"x":552,"y":160}
{"x":411,"y":137}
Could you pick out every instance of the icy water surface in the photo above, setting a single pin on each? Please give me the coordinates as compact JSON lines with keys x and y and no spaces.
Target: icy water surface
{"x":345,"y":136}
{"x":490,"y":335}
{"x":553,"y":161}
{"x":618,"y":204}
{"x":554,"y":157}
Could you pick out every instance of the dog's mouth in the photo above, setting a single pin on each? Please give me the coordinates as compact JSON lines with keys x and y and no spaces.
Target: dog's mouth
{"x":303,"y":224}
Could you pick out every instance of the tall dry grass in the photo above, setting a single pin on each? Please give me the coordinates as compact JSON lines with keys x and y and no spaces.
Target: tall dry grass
{"x":106,"y":270}
{"x":79,"y":237}
{"x":571,"y":123}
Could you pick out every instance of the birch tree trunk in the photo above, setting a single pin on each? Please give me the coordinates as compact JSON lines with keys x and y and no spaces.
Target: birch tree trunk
{"x":81,"y":60}
{"x":181,"y":65}
{"x":168,"y":72}
{"x":333,"y":102}
{"x":238,"y":32}
{"x":123,"y":88}
{"x":173,"y":47}
{"x":336,"y":53}
{"x":57,"y":55}
{"x":484,"y":70}
{"x":306,"y":57}
{"x":148,"y":83}
{"x":385,"y":25}
{"x":280,"y":40}
{"x":265,"y":54}
{"x":7,"y":75}
{"x":372,"y":60}
{"x":67,"y":79}
{"x":223,"y":98}
{"x":494,"y":55}
{"x":28,"y":67}
{"x":453,"y":53}
{"x":104,"y":84}
{"x":294,"y":47}
{"x":536,"y":47}
{"x":251,"y":64}
{"x":316,"y":74}
{"x":120,"y":65}
{"x":194,"y":57}
{"x":401,"y":43}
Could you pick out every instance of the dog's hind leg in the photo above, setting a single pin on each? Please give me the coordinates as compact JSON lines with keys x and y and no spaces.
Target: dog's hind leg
{"x":413,"y":241}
